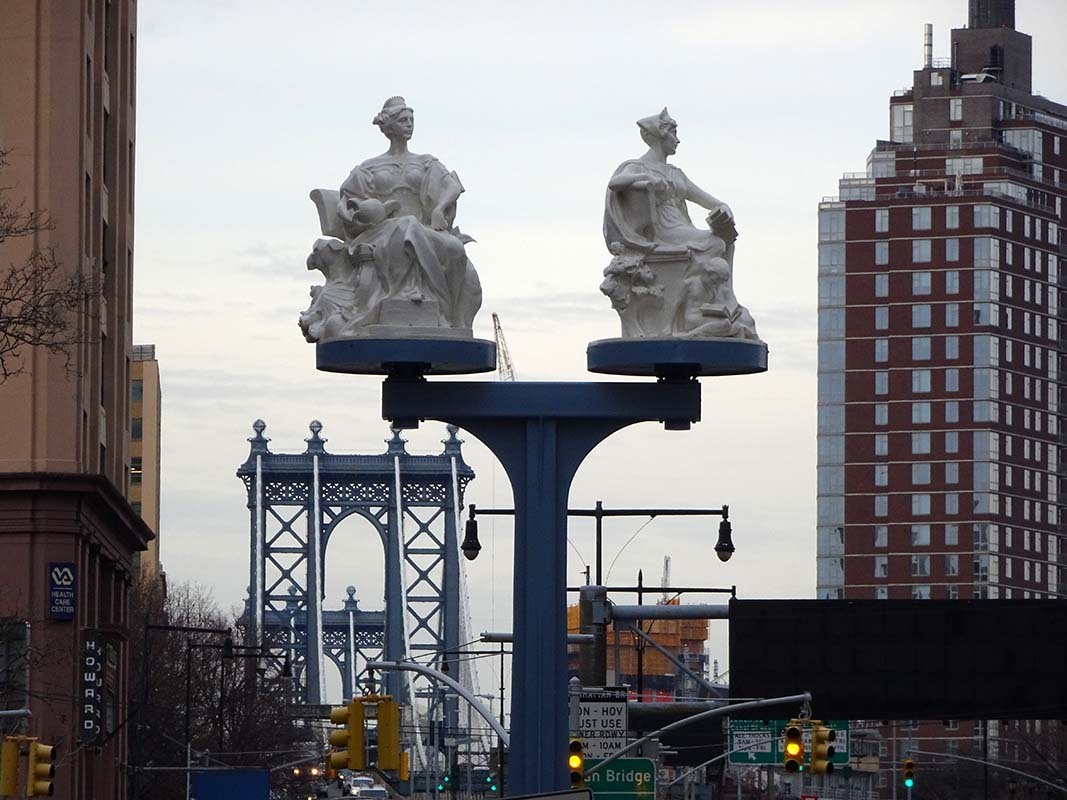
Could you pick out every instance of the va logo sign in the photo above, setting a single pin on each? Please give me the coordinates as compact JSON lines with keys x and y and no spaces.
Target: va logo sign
{"x":62,"y":576}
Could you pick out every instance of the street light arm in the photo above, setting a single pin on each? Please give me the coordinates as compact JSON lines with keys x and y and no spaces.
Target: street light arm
{"x":466,"y":694}
{"x":720,"y":711}
{"x":993,"y":764}
{"x":720,"y":757}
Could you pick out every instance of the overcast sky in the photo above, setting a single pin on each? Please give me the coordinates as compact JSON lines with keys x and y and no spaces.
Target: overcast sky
{"x":243,"y":107}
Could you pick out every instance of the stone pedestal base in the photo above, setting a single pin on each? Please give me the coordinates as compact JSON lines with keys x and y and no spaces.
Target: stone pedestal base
{"x":672,"y":357}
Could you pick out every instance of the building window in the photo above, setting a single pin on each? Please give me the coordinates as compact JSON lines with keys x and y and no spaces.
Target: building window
{"x":881,"y":285}
{"x":881,"y":349}
{"x":920,"y":348}
{"x":135,"y":469}
{"x":952,"y":441}
{"x":881,"y":536}
{"x":986,"y":216}
{"x":920,"y":565}
{"x":881,"y":383}
{"x":952,"y":347}
{"x":920,"y":218}
{"x":881,"y":505}
{"x":137,"y":428}
{"x":952,"y":411}
{"x":920,"y":535}
{"x":920,"y":251}
{"x":881,"y":220}
{"x":952,"y":315}
{"x":955,"y":109}
{"x":920,"y":381}
{"x":881,"y":566}
{"x":920,"y":474}
{"x":920,"y":413}
{"x":952,"y":503}
{"x":920,"y":443}
{"x":952,"y":217}
{"x":881,"y":444}
{"x":881,"y":318}
{"x":952,"y":534}
{"x":136,"y":391}
{"x":952,"y":250}
{"x":921,"y":283}
{"x":920,"y":316}
{"x":881,"y":253}
{"x":881,"y":474}
{"x":952,"y":380}
{"x":920,"y":505}
{"x":881,"y":414}
{"x":920,"y":593}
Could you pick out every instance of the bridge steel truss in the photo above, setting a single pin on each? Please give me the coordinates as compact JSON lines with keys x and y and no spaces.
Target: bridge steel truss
{"x":296,"y":502}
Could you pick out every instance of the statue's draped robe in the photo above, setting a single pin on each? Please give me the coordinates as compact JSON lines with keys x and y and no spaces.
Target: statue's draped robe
{"x":412,"y":260}
{"x":646,"y":220}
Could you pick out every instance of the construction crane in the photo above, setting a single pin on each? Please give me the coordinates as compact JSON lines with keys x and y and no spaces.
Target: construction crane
{"x":504,"y":368}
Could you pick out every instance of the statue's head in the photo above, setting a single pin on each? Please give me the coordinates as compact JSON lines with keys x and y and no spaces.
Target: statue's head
{"x":396,"y":119}
{"x":660,"y":130}
{"x":716,"y":271}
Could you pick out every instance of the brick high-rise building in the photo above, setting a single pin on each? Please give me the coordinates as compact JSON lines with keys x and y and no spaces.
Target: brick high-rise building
{"x":68,"y":535}
{"x":940,"y":434}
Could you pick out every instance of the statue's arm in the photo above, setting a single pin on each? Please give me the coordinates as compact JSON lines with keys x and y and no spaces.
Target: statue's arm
{"x":629,"y":177}
{"x":695,"y":194}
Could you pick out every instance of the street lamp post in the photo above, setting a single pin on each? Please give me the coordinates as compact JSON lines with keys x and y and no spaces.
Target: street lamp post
{"x":147,"y":672}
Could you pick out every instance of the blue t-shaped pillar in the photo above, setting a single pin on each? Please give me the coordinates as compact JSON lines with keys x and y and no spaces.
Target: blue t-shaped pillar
{"x":541,"y":432}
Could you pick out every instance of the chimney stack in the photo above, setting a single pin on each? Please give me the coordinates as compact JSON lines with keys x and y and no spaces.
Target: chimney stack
{"x":928,"y":46}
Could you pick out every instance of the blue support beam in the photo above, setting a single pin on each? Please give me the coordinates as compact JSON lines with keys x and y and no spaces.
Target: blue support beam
{"x":541,"y":433}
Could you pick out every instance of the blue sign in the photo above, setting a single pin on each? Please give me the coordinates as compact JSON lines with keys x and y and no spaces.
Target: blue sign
{"x":229,"y":784}
{"x":61,"y":590}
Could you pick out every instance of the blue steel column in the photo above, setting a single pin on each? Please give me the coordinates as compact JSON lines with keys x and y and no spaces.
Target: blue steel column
{"x":541,"y":432}
{"x":313,"y":607}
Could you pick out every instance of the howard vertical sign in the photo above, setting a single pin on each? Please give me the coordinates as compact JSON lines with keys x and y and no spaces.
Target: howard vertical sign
{"x":92,"y":687}
{"x":602,"y":721}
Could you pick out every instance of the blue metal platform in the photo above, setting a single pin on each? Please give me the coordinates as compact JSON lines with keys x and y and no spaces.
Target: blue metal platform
{"x":672,"y":357}
{"x":408,"y":357}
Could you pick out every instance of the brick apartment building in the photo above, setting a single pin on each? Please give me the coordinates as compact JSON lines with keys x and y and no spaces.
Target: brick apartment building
{"x":940,"y":427}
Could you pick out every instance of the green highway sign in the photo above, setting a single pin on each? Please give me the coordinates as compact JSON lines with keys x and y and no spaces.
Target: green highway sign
{"x":622,"y":779}
{"x":758,"y":741}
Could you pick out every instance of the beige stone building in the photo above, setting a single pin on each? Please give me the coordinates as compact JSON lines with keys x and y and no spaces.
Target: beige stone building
{"x":68,"y":535}
{"x":146,"y":401}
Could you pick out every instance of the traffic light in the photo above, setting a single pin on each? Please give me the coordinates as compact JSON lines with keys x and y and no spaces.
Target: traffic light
{"x":909,"y":773}
{"x":793,"y":750}
{"x":490,"y":782}
{"x":41,"y":769}
{"x":349,"y":741}
{"x":388,"y":733}
{"x":821,"y":748}
{"x":9,"y":766}
{"x":576,"y":763}
{"x":444,"y":783}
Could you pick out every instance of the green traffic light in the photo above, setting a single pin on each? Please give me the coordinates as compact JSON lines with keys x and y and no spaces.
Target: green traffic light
{"x":909,"y":782}
{"x":492,"y":787}
{"x":440,"y":787}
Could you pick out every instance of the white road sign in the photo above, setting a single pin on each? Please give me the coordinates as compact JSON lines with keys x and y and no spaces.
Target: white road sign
{"x":602,"y":721}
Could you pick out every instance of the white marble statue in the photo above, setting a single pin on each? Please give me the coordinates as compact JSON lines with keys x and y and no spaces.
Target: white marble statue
{"x":395,"y":264}
{"x":668,"y":277}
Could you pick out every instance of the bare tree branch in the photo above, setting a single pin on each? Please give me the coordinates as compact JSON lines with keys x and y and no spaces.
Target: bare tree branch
{"x":40,"y":300}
